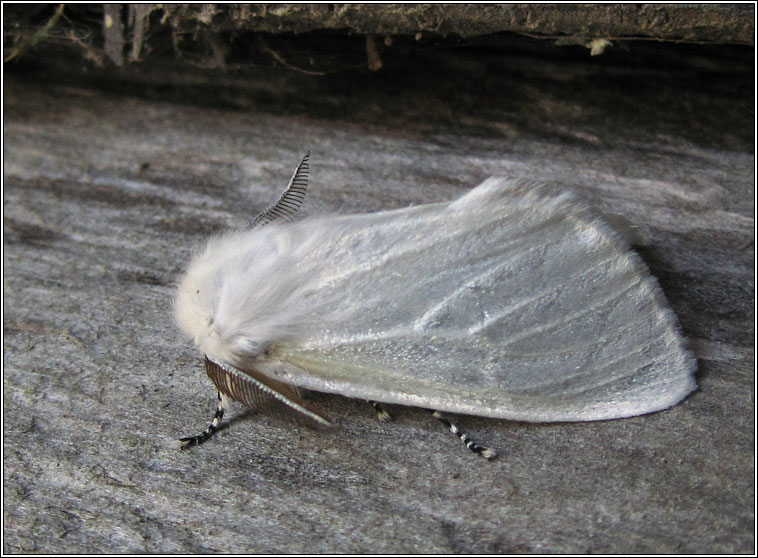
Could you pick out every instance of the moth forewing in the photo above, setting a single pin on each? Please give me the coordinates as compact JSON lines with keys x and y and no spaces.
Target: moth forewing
{"x":513,"y":301}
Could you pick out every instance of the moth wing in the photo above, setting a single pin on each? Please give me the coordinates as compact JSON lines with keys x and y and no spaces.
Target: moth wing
{"x":512,"y":302}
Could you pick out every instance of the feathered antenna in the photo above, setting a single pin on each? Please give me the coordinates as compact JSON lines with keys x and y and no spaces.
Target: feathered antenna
{"x":290,"y":201}
{"x":257,"y":391}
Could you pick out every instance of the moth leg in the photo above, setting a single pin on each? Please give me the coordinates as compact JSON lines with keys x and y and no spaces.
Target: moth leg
{"x":487,"y":453}
{"x":189,"y":441}
{"x":381,"y":413}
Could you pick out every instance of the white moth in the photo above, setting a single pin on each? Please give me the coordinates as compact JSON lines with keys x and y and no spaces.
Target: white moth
{"x":515,"y":301}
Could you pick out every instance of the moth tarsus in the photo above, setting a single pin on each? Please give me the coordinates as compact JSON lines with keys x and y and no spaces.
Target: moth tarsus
{"x":487,"y":453}
{"x":381,"y":412}
{"x":475,"y":447}
{"x":552,"y":316}
{"x":189,"y":441}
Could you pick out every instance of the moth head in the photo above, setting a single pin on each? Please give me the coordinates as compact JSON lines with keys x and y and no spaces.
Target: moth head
{"x":195,"y":315}
{"x":215,"y":301}
{"x":193,"y":311}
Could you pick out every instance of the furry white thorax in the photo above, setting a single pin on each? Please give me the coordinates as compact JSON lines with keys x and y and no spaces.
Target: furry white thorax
{"x":244,"y":291}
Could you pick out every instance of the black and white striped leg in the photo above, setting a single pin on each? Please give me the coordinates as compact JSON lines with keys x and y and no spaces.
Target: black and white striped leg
{"x":381,"y":413}
{"x":487,"y":453}
{"x":190,"y":441}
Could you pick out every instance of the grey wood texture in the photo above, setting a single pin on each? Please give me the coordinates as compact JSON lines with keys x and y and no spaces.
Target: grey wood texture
{"x":107,"y":196}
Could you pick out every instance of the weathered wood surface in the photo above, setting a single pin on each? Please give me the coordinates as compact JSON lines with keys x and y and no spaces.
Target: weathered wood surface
{"x":227,"y":35}
{"x":106,"y":197}
{"x":676,"y":22}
